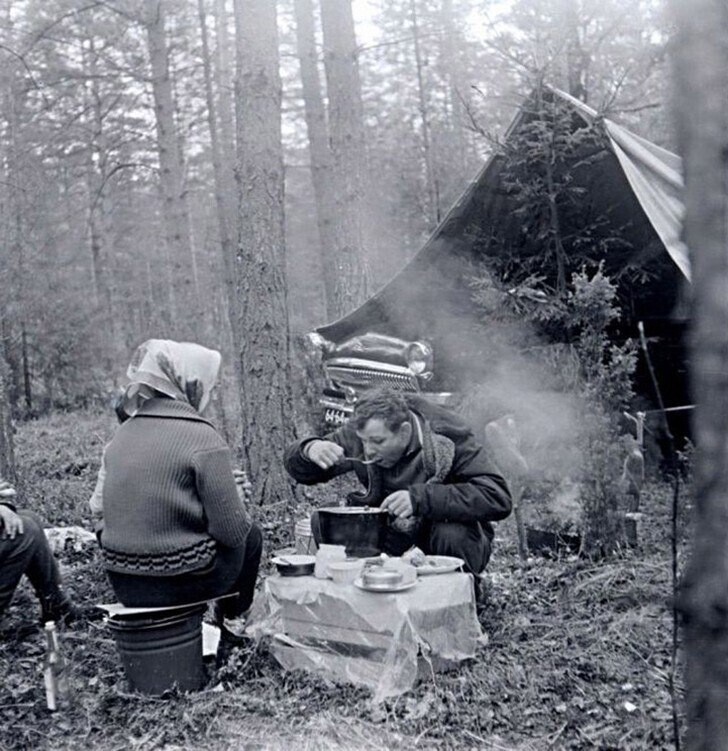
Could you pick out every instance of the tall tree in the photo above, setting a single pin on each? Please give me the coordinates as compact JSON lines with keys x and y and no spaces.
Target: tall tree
{"x":224,"y":196}
{"x":175,"y":214}
{"x":7,"y":456}
{"x":320,"y":153}
{"x":261,"y":330}
{"x":433,"y":193}
{"x":701,"y":66}
{"x":348,"y":148}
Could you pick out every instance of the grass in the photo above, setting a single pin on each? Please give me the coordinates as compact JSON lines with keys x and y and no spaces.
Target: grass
{"x":579,"y":653}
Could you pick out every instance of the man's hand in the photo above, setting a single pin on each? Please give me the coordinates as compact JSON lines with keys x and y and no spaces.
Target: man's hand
{"x":324,"y":453}
{"x":245,"y":487}
{"x":399,"y":504}
{"x":12,"y":524}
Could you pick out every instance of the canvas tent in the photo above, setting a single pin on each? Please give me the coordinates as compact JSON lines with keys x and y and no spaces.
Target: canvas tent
{"x":634,"y":182}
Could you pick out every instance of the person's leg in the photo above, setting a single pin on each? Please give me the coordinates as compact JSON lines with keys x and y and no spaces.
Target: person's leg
{"x":30,"y":554}
{"x":232,"y":570}
{"x":247,"y":576}
{"x":316,"y":527}
{"x":464,"y":540}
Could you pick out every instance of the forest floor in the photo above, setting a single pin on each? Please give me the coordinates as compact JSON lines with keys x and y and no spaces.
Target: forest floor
{"x":579,"y":654}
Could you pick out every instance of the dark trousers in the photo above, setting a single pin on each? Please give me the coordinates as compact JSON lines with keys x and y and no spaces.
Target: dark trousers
{"x":233,"y":570}
{"x":464,"y":540}
{"x":31,"y":555}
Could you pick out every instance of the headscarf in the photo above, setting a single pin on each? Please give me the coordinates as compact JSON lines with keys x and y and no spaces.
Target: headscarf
{"x":180,"y":370}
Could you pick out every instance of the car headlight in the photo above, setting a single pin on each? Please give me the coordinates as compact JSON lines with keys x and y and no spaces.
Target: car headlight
{"x":349,"y":394}
{"x":419,"y":358}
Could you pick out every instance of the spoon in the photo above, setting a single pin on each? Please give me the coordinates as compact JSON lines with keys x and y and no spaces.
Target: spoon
{"x":361,"y":461}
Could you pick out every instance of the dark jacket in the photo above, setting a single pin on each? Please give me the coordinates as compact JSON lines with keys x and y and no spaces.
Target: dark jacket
{"x":471,"y":491}
{"x":169,"y":494}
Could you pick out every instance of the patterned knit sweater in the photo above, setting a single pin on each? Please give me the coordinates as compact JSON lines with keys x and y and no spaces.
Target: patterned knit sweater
{"x":169,"y":495}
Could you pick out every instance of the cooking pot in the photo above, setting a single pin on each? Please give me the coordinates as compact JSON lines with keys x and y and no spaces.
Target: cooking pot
{"x":361,"y":529}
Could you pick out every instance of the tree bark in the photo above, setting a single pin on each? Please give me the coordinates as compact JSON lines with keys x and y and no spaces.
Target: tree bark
{"x":225,"y":216}
{"x":224,"y":87}
{"x":175,"y":216}
{"x":346,"y":131}
{"x":458,"y":113}
{"x":7,"y":456}
{"x":225,"y":196}
{"x":14,"y":269}
{"x":433,"y":207}
{"x":262,"y":332}
{"x":99,"y":208}
{"x":701,"y":67}
{"x":577,"y":59}
{"x":320,"y":153}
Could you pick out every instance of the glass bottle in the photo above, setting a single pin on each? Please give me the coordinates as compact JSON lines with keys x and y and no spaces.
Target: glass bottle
{"x":55,"y":670}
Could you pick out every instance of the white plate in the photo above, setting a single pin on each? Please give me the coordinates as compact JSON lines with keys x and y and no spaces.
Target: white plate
{"x":439,"y":564}
{"x":384,"y":587}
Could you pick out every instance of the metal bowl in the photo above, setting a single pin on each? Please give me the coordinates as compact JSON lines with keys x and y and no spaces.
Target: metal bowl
{"x":295,"y":565}
{"x":381,"y":577}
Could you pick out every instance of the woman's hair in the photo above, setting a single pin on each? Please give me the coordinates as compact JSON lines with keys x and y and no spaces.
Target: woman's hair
{"x":384,"y":404}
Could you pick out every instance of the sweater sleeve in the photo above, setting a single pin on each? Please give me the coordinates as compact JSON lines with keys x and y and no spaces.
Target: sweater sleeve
{"x":228,"y":521}
{"x":470,"y":492}
{"x":303,"y":470}
{"x":96,"y":502}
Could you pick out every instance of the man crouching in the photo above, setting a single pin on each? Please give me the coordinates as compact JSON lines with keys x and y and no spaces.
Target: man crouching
{"x":426,"y":469}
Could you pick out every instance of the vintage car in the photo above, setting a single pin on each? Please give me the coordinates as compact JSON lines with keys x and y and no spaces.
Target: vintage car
{"x":369,"y":360}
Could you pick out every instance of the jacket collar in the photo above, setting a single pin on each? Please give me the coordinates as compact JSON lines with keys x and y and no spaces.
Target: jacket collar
{"x":415,"y":441}
{"x":170,"y":408}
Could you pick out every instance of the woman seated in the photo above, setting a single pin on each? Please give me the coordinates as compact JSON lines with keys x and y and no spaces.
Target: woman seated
{"x":175,"y":529}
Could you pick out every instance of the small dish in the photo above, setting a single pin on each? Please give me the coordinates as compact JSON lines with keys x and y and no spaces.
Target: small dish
{"x":384,"y":588}
{"x":439,"y":564}
{"x":345,"y":572}
{"x":409,"y":573}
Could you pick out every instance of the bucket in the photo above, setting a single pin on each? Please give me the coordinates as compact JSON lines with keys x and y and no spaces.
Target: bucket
{"x":160,"y":652}
{"x":305,"y":544}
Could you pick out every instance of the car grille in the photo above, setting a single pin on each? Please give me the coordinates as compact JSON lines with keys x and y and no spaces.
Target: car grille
{"x":365,"y":378}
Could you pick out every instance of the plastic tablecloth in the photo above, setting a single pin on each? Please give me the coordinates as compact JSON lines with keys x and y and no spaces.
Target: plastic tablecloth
{"x":371,"y":639}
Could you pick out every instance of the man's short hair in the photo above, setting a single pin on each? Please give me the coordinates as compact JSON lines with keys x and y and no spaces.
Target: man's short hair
{"x":382,"y":403}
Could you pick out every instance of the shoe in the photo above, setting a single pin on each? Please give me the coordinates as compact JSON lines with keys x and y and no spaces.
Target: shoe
{"x":65,"y":612}
{"x":232,"y":630}
{"x":481,"y":592}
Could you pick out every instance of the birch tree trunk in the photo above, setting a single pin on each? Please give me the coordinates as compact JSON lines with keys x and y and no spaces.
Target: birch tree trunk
{"x":262,"y":332}
{"x":346,"y":133}
{"x":320,"y":153}
{"x":701,"y":67}
{"x":174,"y":207}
